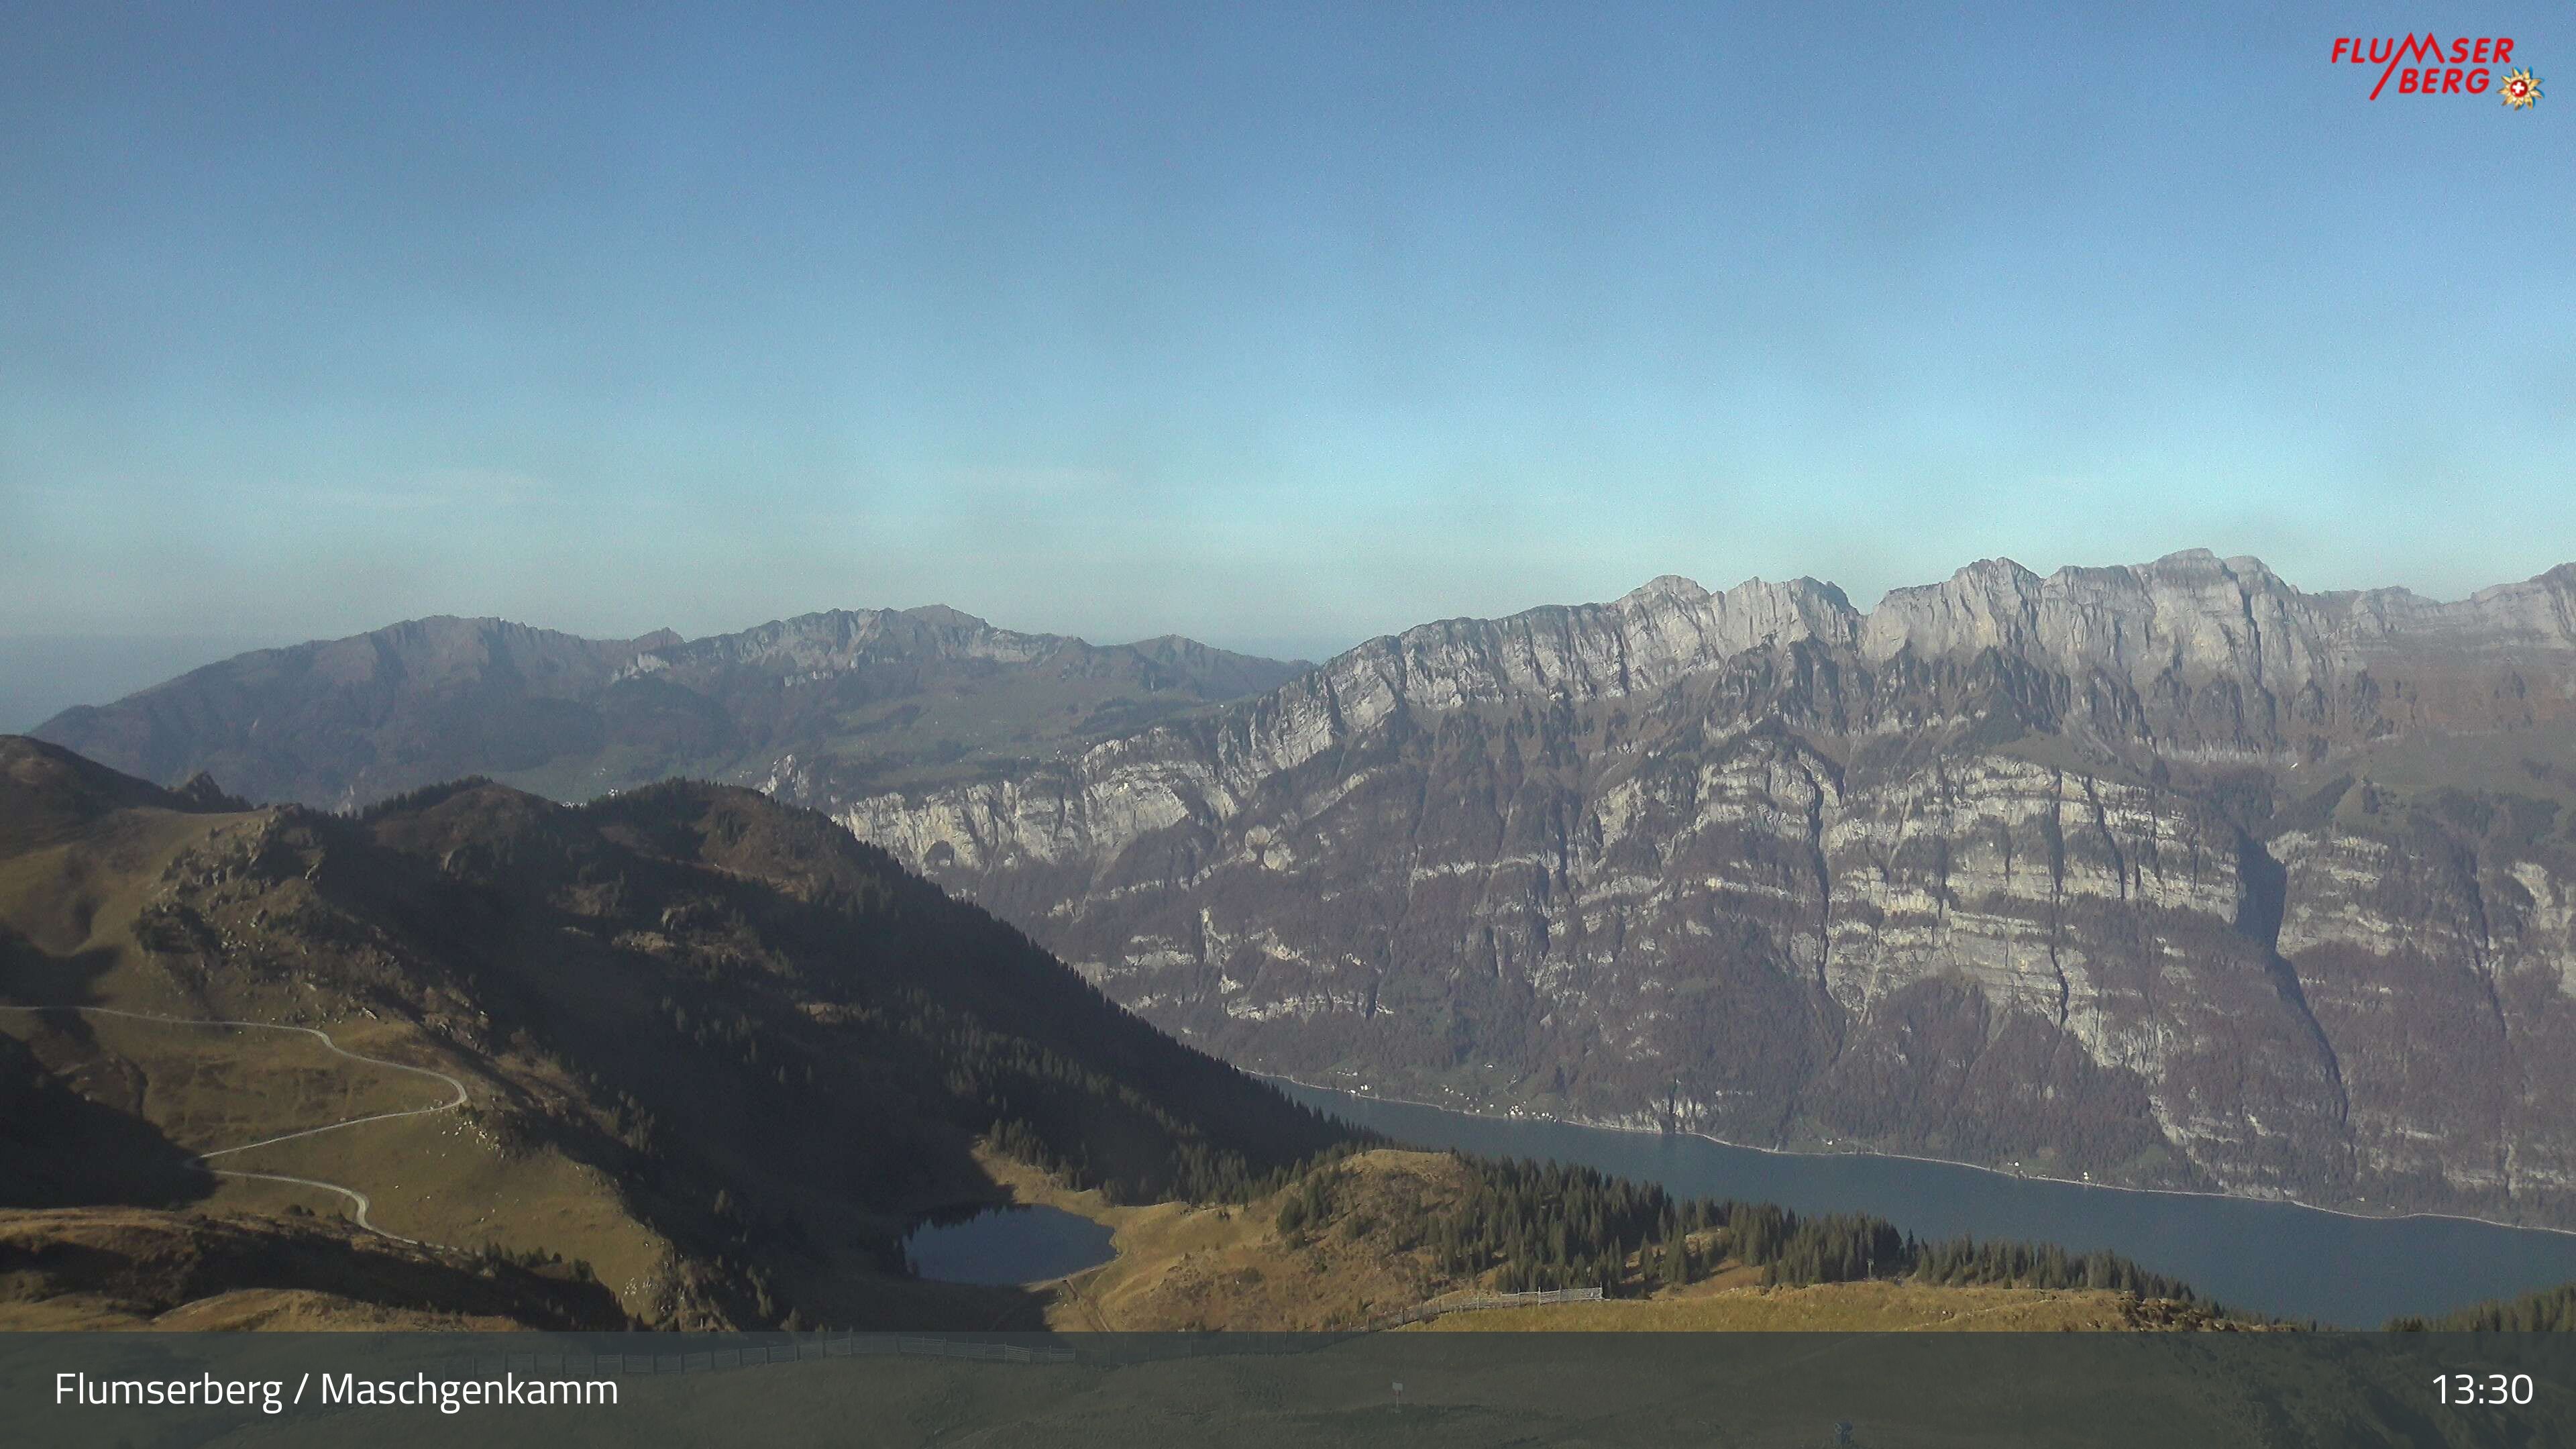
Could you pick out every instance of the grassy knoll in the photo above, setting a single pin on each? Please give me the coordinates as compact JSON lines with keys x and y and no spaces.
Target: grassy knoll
{"x":1186,"y":1268}
{"x":1181,"y":1266}
{"x":210,"y":1088}
{"x":444,"y":1179}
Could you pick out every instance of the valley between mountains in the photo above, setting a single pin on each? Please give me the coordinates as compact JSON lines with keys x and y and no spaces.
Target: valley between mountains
{"x":2171,"y":875}
{"x":690,"y":1058}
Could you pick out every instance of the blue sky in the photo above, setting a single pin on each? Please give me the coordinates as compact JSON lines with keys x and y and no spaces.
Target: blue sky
{"x":1280,"y":326}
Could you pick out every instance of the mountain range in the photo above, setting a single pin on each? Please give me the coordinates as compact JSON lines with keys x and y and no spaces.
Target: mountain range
{"x":864,"y":698}
{"x":691,"y":1057}
{"x":2168,"y":875}
{"x":683,"y":1057}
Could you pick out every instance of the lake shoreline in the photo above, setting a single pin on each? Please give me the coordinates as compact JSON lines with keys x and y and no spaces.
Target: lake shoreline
{"x":2007,"y":1175}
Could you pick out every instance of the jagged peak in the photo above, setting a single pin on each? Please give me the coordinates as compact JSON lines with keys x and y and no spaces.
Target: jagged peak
{"x":1802,"y":592}
{"x":199,"y":791}
{"x":1999,"y":567}
{"x":2184,"y":557}
{"x":943,"y":617}
{"x":1825,"y":591}
{"x":2560,"y":579}
{"x":1805,"y":587}
{"x":2200,"y":565}
{"x":1669,"y":586}
{"x":1984,"y":579}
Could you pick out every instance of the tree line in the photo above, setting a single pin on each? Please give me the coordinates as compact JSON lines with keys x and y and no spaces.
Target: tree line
{"x":2551,"y":1310}
{"x":1525,"y":1225}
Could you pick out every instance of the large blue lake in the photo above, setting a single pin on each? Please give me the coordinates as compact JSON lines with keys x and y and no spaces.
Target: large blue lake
{"x":2271,"y":1257}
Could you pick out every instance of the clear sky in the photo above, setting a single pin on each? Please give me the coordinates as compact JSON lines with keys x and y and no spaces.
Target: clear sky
{"x":1279,"y":326}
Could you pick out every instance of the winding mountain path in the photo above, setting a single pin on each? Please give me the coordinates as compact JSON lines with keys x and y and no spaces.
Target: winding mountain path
{"x":360,"y":1199}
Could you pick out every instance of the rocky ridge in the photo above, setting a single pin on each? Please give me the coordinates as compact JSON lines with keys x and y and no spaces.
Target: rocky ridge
{"x":861,"y":697}
{"x":2169,"y":874}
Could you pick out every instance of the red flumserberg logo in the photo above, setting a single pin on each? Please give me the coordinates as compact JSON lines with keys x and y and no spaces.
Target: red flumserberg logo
{"x":2423,"y":65}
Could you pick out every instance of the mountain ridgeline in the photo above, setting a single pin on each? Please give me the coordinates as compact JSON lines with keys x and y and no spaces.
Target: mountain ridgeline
{"x":710,"y":1058}
{"x":709,"y":1047}
{"x":872,"y":696}
{"x":2169,"y":875}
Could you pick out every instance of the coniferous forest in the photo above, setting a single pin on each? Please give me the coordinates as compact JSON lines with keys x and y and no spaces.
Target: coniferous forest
{"x":2551,"y":1310}
{"x":1525,"y":1226}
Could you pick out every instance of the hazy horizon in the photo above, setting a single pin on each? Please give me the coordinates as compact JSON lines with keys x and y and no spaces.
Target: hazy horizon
{"x":1276,"y":327}
{"x":42,"y":675}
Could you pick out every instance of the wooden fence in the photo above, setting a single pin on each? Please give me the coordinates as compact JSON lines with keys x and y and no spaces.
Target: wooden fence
{"x":757,"y":1355}
{"x":1428,"y":1311}
{"x":851,"y":1344}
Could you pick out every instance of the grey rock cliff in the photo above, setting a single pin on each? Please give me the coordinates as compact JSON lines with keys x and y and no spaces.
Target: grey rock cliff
{"x":2170,"y":874}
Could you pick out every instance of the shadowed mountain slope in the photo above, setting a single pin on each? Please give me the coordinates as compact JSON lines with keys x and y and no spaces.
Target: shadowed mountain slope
{"x":119,"y":1267}
{"x":712,"y":1047}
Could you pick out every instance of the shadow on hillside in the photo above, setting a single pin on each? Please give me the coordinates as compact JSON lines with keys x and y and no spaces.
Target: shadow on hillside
{"x":914,"y":1305}
{"x":60,"y":1149}
{"x":30,"y":975}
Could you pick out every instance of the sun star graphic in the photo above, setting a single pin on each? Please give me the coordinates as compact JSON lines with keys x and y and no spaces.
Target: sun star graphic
{"x":2521,"y":88}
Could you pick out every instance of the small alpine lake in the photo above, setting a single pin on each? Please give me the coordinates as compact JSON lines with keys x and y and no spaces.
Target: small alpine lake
{"x":1006,"y":1243}
{"x":2270,"y":1257}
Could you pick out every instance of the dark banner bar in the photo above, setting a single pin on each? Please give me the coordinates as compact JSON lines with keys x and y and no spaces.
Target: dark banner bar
{"x":160,"y":1391}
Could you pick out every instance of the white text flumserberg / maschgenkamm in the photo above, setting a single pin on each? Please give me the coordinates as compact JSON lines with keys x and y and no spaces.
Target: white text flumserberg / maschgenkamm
{"x":269,"y":1396}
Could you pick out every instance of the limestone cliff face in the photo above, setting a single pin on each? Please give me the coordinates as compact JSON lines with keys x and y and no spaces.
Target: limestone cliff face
{"x":2436,"y":943}
{"x":2220,"y":657}
{"x":2169,"y":874}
